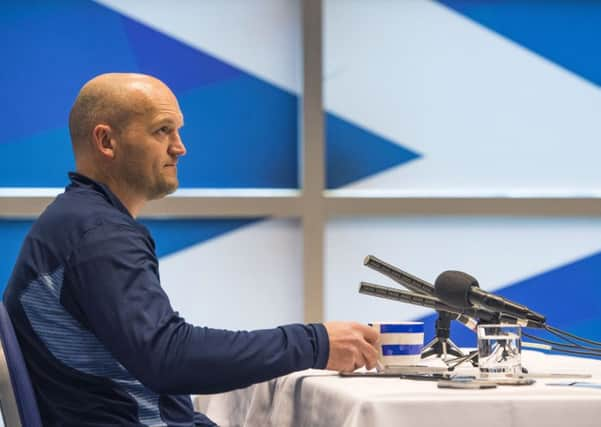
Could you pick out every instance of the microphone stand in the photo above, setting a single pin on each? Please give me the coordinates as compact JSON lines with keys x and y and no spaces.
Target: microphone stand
{"x":441,"y":345}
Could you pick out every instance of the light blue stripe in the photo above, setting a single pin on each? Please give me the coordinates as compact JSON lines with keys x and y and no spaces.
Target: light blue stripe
{"x":401,"y":349}
{"x":77,"y":347}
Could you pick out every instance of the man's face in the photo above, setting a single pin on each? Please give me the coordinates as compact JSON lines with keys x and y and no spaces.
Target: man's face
{"x":149,"y":146}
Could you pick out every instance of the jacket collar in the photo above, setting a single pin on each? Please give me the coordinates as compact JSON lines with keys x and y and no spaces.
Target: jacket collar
{"x":79,"y":181}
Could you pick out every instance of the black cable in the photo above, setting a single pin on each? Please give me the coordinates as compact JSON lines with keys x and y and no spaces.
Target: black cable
{"x":559,"y":346}
{"x":546,"y":341}
{"x":580,"y":349}
{"x":563,"y":337}
{"x":561,"y":333}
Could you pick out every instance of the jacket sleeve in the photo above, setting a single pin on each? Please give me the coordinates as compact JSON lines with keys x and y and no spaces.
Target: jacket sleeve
{"x":112,"y":286}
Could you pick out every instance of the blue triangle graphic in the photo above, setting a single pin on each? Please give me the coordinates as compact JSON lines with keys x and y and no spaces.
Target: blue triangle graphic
{"x":174,"y":235}
{"x":569,"y":296}
{"x":353,"y":153}
{"x":565,"y":32}
{"x":179,"y":65}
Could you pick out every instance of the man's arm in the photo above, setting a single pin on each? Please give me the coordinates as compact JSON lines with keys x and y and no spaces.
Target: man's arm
{"x":114,"y":283}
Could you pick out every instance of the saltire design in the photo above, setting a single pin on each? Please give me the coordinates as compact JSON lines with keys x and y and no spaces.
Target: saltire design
{"x":564,"y":32}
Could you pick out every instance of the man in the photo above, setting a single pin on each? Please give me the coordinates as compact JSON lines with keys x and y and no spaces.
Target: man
{"x":101,"y":341}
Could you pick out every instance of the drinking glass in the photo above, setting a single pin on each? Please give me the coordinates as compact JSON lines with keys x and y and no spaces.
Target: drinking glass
{"x":500,"y":351}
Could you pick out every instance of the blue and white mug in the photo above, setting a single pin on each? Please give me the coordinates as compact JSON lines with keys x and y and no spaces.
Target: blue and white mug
{"x":401,"y":343}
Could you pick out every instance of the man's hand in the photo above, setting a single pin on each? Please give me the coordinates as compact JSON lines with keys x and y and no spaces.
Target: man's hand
{"x":352,"y":345}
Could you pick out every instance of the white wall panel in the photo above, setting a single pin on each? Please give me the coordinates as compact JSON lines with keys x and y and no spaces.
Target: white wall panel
{"x":485,"y":113}
{"x":248,"y":279}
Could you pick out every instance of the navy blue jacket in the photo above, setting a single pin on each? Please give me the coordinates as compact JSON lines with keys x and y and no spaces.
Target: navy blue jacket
{"x":100,"y":338}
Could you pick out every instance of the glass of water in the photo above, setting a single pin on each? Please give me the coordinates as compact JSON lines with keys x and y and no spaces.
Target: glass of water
{"x":500,"y":351}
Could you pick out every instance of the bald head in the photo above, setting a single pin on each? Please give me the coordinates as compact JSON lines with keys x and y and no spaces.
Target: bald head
{"x":113,"y":99}
{"x":125,"y":134}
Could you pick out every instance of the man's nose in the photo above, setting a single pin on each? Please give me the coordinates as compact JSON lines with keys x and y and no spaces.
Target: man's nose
{"x":177,"y":148}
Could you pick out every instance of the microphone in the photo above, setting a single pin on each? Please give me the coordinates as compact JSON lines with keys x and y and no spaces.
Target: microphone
{"x":405,"y":296}
{"x":470,"y":318}
{"x":403,"y":278}
{"x":415,"y":284}
{"x":427,"y":301}
{"x":462,"y":291}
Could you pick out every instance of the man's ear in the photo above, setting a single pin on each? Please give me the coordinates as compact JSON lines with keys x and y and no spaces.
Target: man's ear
{"x":103,"y":140}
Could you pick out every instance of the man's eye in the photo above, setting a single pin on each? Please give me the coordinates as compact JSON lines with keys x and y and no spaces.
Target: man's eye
{"x":164,"y":130}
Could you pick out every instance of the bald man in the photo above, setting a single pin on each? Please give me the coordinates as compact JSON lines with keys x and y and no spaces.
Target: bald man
{"x":102,"y":343}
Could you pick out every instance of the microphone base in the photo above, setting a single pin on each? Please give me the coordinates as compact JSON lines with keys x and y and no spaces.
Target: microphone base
{"x":443,"y":348}
{"x":471,"y":357}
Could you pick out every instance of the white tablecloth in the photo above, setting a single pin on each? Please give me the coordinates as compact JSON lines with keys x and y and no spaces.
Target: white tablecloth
{"x":322,"y":398}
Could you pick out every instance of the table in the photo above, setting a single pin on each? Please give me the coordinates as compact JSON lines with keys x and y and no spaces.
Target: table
{"x":322,"y":398}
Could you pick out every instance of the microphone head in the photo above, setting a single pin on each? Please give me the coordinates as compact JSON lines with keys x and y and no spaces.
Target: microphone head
{"x":453,"y":287}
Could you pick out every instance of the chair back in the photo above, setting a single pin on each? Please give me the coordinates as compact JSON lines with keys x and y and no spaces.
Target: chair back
{"x":17,"y":399}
